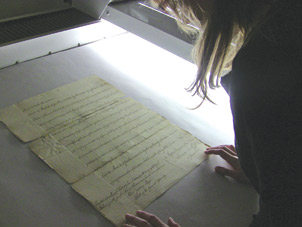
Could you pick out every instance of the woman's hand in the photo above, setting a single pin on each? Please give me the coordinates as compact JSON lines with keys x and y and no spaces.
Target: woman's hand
{"x":228,"y":153}
{"x":145,"y":219}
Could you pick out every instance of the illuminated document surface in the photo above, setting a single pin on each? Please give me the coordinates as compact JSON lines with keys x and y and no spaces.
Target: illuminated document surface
{"x":32,"y":194}
{"x":115,"y":152}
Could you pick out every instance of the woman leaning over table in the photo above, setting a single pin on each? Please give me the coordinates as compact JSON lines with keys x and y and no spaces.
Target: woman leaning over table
{"x":260,"y":43}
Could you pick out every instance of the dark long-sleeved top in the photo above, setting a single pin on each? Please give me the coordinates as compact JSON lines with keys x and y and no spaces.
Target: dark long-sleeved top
{"x":265,"y":88}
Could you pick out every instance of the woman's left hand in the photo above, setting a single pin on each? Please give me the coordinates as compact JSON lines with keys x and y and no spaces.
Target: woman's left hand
{"x":145,"y":219}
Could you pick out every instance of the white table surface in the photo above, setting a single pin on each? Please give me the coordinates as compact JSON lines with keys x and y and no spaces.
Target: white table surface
{"x":32,"y":194}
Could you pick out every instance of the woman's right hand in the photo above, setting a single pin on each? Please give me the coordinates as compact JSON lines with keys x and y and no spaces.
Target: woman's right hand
{"x":228,"y":153}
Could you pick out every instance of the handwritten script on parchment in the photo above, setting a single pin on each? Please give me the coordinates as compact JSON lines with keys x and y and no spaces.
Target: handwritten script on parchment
{"x":113,"y":151}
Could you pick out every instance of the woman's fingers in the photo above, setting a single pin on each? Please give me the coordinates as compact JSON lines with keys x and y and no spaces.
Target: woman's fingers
{"x":145,"y":219}
{"x":228,"y":148}
{"x":137,"y":221}
{"x":172,"y":223}
{"x":231,"y":159}
{"x":151,"y":218}
{"x":228,"y":153}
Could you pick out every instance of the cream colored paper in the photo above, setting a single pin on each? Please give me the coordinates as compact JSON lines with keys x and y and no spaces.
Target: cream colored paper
{"x":20,"y":124}
{"x":115,"y":152}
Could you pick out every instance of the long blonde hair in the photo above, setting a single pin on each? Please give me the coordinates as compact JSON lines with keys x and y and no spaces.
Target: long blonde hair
{"x":222,"y":27}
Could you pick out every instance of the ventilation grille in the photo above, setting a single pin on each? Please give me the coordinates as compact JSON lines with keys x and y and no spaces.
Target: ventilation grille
{"x":25,"y":28}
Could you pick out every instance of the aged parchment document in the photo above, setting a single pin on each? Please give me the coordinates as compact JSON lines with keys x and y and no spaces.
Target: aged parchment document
{"x":115,"y":152}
